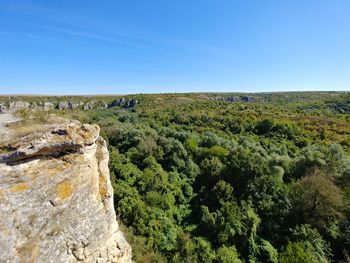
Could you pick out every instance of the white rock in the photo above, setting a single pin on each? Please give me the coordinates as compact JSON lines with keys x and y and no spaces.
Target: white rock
{"x":56,"y":199}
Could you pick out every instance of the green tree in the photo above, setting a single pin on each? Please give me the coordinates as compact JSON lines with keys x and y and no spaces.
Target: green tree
{"x":317,"y":200}
{"x":227,"y":255}
{"x":300,"y":252}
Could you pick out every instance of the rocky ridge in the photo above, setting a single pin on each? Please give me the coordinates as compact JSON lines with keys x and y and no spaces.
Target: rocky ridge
{"x":233,"y":99}
{"x":56,"y":194}
{"x":67,"y":105}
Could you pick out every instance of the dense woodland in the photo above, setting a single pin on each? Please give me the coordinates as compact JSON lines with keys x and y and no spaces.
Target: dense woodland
{"x":200,"y":180}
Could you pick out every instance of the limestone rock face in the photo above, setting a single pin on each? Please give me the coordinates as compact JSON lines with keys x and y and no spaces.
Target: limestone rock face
{"x":68,"y":105}
{"x":56,"y":199}
{"x":46,"y":105}
{"x":63,"y":105}
{"x":16,"y":105}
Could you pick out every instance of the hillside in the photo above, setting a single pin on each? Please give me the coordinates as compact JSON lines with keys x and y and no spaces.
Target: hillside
{"x":222,"y":177}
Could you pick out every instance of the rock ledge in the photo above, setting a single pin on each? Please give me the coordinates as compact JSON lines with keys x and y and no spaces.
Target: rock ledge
{"x":56,"y":199}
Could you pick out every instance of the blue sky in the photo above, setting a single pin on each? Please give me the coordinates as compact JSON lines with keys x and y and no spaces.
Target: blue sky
{"x":129,"y":46}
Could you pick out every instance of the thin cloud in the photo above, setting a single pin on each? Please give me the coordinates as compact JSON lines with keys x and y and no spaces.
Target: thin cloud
{"x":77,"y":32}
{"x":95,"y":37}
{"x":79,"y":26}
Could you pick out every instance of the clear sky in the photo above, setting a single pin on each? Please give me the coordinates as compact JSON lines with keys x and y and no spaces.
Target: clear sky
{"x":129,"y":46}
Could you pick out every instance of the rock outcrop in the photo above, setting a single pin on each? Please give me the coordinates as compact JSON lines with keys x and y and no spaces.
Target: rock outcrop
{"x":56,"y":199}
{"x":124,"y":103}
{"x":15,"y":105}
{"x":233,"y":98}
{"x":67,"y":105}
{"x":47,"y":105}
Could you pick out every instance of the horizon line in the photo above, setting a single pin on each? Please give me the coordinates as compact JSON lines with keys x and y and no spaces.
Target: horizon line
{"x":166,"y":93}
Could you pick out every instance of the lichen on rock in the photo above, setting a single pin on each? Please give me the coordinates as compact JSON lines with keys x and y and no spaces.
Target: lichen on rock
{"x":56,"y":198}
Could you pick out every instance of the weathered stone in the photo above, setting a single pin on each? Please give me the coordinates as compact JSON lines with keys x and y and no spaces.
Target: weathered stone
{"x":117,"y":102}
{"x":125,"y":103}
{"x":247,"y":98}
{"x":2,"y":107}
{"x":130,"y":104}
{"x":16,"y":105}
{"x":75,"y":105}
{"x":48,"y":106}
{"x":56,"y":194}
{"x":233,"y":99}
{"x":68,"y":105}
{"x":88,"y":106}
{"x":63,"y":105}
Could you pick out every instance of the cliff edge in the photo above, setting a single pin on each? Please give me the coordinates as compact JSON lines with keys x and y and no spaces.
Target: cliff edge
{"x":56,"y":199}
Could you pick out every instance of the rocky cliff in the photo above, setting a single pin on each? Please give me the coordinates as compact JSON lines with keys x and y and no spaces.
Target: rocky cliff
{"x":56,"y":199}
{"x":13,"y":105}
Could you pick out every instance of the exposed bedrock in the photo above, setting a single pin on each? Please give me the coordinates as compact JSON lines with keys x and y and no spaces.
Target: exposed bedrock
{"x":56,"y":199}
